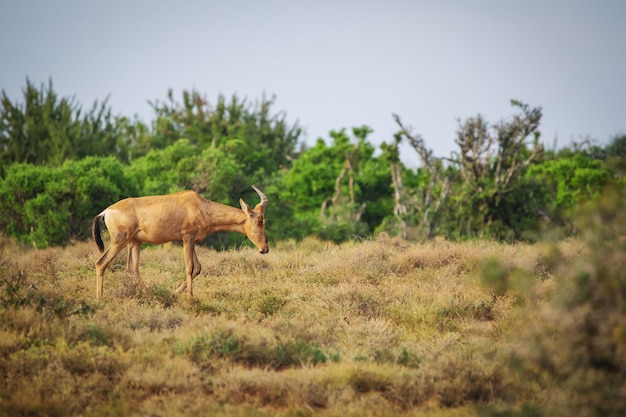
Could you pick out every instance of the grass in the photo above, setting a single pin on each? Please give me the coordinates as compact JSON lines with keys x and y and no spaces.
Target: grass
{"x":381,"y":327}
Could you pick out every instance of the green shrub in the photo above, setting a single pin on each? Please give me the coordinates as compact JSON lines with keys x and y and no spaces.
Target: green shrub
{"x":51,"y":206}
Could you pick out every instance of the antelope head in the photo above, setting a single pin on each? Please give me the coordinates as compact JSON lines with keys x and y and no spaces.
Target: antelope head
{"x":254,"y":228}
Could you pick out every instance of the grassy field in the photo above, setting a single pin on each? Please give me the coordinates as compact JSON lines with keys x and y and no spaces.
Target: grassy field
{"x":380,"y":327}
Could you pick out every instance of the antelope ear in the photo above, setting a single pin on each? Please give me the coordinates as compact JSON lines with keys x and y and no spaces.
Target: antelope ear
{"x":246,"y":208}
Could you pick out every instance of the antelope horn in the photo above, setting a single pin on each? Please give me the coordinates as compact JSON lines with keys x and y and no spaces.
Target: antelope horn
{"x":263,"y":202}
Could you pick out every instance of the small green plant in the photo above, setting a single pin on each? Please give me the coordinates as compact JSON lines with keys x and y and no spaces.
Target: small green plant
{"x":297,"y":352}
{"x":409,"y":359}
{"x":270,"y":303}
{"x":162,"y":295}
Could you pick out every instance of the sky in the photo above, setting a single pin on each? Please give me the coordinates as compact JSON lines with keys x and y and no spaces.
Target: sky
{"x":335,"y":64}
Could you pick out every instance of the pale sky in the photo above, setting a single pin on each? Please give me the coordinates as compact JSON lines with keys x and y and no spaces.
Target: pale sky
{"x":335,"y":64}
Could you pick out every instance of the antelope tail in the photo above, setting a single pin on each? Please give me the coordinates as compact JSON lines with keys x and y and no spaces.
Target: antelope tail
{"x":95,"y":231}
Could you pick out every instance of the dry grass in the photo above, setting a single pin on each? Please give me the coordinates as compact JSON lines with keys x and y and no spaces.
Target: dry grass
{"x":375,"y":328}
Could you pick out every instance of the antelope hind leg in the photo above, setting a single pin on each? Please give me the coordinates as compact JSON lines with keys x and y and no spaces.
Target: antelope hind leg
{"x":102,"y":264}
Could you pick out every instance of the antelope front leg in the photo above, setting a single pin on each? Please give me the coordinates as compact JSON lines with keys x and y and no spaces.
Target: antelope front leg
{"x":196,"y":271}
{"x":132,"y":264}
{"x":189,"y":251}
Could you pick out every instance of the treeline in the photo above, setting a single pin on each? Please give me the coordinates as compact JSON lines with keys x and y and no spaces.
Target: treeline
{"x":62,"y":164}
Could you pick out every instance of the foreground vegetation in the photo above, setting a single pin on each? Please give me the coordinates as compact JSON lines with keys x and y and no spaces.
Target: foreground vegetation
{"x":376,"y":327}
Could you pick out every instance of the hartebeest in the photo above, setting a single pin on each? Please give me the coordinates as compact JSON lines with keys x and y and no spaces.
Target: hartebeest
{"x":184,"y":216}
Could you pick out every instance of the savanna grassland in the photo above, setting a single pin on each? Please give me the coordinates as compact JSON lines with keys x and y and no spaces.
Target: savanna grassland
{"x":379,"y":327}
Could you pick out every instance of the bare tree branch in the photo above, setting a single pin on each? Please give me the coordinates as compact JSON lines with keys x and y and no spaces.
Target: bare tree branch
{"x":428,"y":204}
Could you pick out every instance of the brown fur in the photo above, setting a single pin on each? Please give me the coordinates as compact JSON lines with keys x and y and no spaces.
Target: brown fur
{"x":184,"y":216}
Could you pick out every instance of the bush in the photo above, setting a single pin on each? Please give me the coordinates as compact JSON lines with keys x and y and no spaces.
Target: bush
{"x":576,"y":352}
{"x":51,"y":206}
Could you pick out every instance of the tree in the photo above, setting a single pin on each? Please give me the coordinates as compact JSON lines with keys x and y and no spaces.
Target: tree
{"x":261,"y":142}
{"x":336,"y":191}
{"x":482,"y":187}
{"x":493,"y":199}
{"x":400,"y":224}
{"x":616,"y":154}
{"x":425,"y":204}
{"x":183,"y":166}
{"x":135,"y":139}
{"x":47,"y":130}
{"x":571,"y":176}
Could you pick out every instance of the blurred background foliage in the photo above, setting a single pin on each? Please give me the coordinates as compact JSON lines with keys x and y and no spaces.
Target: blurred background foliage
{"x":60,"y":165}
